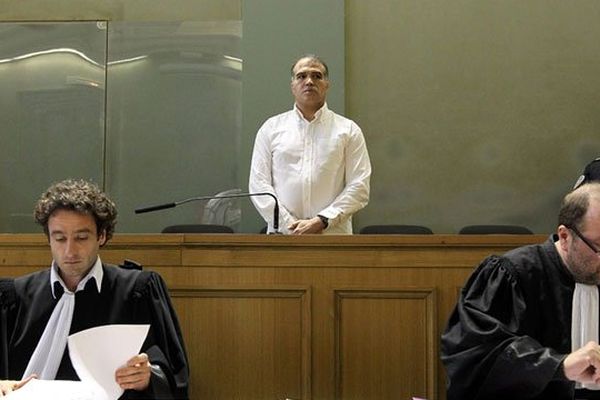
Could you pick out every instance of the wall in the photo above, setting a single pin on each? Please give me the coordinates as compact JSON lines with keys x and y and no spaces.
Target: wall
{"x":119,"y":10}
{"x":474,"y":111}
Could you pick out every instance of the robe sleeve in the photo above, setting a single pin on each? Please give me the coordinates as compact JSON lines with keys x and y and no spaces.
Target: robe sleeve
{"x":7,"y":304}
{"x":488,"y":348}
{"x":164,"y":345}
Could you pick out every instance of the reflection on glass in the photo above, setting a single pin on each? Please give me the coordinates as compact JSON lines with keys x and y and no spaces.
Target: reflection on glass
{"x":174,"y":117}
{"x":52,"y":108}
{"x":155,"y":120}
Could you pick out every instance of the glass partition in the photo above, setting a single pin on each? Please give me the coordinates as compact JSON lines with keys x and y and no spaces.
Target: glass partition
{"x":151,"y":111}
{"x":174,"y":119}
{"x":52,"y":111}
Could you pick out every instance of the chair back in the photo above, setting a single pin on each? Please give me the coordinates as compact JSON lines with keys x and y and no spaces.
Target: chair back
{"x":197,"y":228}
{"x":495,"y":230}
{"x":395,"y":230}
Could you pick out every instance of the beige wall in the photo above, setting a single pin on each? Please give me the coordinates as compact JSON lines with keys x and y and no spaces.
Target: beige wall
{"x":474,"y":111}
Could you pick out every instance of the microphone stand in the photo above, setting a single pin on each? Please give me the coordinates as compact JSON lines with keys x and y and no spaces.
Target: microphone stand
{"x":226,"y":196}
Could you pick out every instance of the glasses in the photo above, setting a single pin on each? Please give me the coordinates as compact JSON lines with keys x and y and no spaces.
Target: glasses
{"x":585,"y":240}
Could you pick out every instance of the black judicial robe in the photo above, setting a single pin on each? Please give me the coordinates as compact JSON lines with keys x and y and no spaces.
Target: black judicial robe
{"x":511,"y":329}
{"x":127,"y":297}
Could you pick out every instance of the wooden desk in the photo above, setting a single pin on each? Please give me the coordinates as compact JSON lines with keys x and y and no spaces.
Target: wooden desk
{"x":323,"y":317}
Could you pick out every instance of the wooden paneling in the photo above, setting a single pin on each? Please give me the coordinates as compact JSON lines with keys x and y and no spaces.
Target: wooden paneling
{"x":385,"y":343}
{"x":321,"y":317}
{"x":247,"y":342}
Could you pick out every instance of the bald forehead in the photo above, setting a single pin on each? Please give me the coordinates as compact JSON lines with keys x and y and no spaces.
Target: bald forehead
{"x":591,"y":189}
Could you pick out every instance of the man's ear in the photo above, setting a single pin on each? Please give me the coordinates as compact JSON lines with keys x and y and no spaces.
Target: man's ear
{"x":564,"y":236}
{"x":102,"y":238}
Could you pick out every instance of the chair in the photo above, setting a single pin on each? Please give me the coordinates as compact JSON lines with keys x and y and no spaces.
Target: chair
{"x":495,"y":229}
{"x":395,"y":229}
{"x":197,"y":228}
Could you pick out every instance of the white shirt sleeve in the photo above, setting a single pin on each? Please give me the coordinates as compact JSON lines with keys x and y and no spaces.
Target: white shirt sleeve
{"x":355,"y":194}
{"x":261,"y":181}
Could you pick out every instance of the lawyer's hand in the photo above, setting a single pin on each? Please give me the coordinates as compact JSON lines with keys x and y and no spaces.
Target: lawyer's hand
{"x":583,"y":365}
{"x":136,"y":374}
{"x":9,"y":386}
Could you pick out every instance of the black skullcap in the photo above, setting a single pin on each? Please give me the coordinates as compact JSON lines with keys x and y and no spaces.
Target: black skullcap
{"x":591,"y":173}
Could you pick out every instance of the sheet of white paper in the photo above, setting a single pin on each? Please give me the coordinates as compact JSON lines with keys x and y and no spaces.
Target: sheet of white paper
{"x":57,"y":390}
{"x":98,"y":352}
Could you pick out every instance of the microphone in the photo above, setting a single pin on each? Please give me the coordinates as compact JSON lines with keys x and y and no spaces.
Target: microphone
{"x":225,"y":196}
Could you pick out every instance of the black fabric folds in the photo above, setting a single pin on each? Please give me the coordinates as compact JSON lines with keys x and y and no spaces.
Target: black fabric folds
{"x":127,"y":297}
{"x":511,"y":329}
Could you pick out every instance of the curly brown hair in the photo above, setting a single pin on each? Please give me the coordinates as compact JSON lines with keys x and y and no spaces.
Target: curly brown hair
{"x":80,"y":196}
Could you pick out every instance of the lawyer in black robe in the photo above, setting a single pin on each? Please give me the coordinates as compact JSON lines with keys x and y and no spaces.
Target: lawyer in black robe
{"x":127,"y":296}
{"x":511,"y":329}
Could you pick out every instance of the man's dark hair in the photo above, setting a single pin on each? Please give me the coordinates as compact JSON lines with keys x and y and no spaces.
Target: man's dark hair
{"x":575,"y":205}
{"x":314,"y":58}
{"x":80,"y":196}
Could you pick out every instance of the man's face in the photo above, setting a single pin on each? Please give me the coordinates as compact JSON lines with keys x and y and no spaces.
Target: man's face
{"x":583,"y":262}
{"x":309,"y":84}
{"x":74,"y":243}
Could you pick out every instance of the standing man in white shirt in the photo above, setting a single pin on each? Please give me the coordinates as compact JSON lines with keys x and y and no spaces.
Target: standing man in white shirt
{"x":314,"y":160}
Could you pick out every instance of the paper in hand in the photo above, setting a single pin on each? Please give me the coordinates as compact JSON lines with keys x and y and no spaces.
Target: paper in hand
{"x":96,"y":354}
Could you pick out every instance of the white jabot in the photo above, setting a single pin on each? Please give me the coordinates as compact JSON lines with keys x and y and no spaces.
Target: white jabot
{"x":584,"y":320}
{"x":318,"y":167}
{"x":49,"y":351}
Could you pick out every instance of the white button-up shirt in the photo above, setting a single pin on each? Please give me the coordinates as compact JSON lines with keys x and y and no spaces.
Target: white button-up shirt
{"x":313,"y":167}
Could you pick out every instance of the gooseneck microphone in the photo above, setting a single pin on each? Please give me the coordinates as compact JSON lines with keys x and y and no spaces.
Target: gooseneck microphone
{"x":225,"y":196}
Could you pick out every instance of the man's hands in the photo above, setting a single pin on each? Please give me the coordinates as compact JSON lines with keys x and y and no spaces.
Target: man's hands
{"x":304,"y":226}
{"x":583,"y":365}
{"x":136,"y":374}
{"x":9,"y":386}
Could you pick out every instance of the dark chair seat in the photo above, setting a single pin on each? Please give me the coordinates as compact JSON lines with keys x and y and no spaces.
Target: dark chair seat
{"x":495,"y":229}
{"x":197,"y":228}
{"x":395,"y":229}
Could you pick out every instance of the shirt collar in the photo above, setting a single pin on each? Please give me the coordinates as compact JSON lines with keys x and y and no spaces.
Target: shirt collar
{"x":96,"y":272}
{"x":320,"y":112}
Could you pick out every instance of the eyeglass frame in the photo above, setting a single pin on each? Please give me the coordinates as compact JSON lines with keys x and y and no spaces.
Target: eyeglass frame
{"x":584,"y":240}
